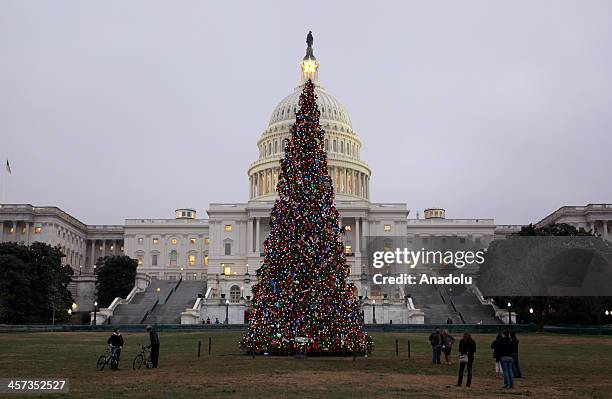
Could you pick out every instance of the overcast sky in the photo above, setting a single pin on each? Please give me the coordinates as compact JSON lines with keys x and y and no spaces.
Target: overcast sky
{"x":130,"y":109}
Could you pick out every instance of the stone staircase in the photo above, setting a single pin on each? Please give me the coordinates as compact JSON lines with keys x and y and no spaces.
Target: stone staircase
{"x":436,"y":307}
{"x":183,"y":297}
{"x":471,"y":309}
{"x":143,"y":303}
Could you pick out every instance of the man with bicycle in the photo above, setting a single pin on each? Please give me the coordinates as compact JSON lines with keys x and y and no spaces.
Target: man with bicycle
{"x":154,"y":345}
{"x":116,"y":343}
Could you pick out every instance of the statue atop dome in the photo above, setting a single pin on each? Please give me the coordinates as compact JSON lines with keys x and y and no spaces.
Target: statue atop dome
{"x":309,"y":41}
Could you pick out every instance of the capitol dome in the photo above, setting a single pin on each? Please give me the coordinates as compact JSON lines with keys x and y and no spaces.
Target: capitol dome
{"x":351,"y":176}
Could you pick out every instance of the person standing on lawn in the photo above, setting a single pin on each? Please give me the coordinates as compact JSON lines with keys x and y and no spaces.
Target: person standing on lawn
{"x":467,"y":348}
{"x":505,"y":357}
{"x":515,"y":355}
{"x":495,"y":346}
{"x":435,"y":338}
{"x":154,"y":345}
{"x":447,"y":345}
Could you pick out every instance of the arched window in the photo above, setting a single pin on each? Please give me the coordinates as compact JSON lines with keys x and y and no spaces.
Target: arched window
{"x":235,"y":294}
{"x":342,"y":147}
{"x":173,"y":257}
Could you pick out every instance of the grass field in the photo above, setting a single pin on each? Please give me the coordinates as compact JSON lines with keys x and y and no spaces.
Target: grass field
{"x":555,"y":366}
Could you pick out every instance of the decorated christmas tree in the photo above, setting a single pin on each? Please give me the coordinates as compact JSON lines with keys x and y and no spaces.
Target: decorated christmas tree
{"x":303,"y":299}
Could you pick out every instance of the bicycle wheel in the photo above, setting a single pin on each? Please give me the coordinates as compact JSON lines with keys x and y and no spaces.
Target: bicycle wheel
{"x":138,"y":361}
{"x":114,"y":363}
{"x":101,"y":362}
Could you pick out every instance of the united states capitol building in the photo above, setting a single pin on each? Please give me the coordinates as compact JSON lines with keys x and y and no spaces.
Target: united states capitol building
{"x":196,"y":267}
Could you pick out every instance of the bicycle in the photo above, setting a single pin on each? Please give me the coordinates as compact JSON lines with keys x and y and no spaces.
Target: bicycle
{"x":142,"y":359}
{"x":109,"y":356}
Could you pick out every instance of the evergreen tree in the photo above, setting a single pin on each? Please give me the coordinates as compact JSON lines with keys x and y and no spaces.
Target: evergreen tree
{"x":303,"y":289}
{"x":116,"y":278}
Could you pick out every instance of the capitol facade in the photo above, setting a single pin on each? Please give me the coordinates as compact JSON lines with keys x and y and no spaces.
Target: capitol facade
{"x":213,"y":260}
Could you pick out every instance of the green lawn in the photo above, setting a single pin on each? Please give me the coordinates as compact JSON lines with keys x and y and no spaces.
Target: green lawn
{"x":555,"y":366}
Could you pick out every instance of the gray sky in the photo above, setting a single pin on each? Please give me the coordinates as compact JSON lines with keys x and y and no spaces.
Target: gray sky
{"x":114,"y":109}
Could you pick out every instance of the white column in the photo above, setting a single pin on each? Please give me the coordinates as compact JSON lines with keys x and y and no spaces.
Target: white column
{"x":27,"y":233}
{"x":257,"y":250}
{"x":357,"y":236}
{"x":605,"y":229}
{"x":92,"y":261}
{"x":250,"y":236}
{"x":1,"y":230}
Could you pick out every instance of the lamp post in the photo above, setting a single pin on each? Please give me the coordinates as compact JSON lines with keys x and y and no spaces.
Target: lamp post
{"x":70,"y":316}
{"x":373,"y":311}
{"x":531,"y":315}
{"x":226,"y":311}
{"x":95,"y":320}
{"x":182,"y":268}
{"x":509,"y":313}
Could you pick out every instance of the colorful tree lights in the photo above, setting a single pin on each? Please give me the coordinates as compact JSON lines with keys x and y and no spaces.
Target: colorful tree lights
{"x":303,"y":290}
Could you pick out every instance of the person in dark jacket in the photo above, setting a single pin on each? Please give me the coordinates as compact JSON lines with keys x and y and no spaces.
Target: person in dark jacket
{"x":116,"y":342}
{"x":435,"y":338}
{"x":516,"y":369}
{"x":505,"y":358}
{"x":154,"y":345}
{"x":495,"y":346}
{"x":467,"y":347}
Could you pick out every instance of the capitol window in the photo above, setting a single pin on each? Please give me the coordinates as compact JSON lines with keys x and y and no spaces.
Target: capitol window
{"x":206,"y":240}
{"x":192,"y":260}
{"x":154,"y":260}
{"x":155,"y":241}
{"x":234,"y":294}
{"x":140,"y":240}
{"x":205,"y":258}
{"x":192,"y":240}
{"x":227,"y":269}
{"x":37,"y":230}
{"x":139,"y":258}
{"x":173,"y":241}
{"x":387,"y":227}
{"x":228,"y":227}
{"x":347,"y":249}
{"x":173,"y":257}
{"x":228,"y":248}
{"x":347,"y":228}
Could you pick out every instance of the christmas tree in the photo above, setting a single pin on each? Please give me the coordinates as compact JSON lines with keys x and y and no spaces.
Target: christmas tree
{"x":303,"y":300}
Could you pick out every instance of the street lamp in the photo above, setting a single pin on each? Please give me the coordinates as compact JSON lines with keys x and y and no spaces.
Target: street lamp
{"x":373,"y":311}
{"x":607,"y":313}
{"x":226,"y":311}
{"x":509,"y":313}
{"x":182,"y":271}
{"x":95,"y":320}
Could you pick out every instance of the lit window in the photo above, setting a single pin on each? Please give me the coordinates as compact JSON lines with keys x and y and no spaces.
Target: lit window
{"x":192,"y":240}
{"x":140,"y":241}
{"x":100,"y":248}
{"x":235,"y":294}
{"x":173,"y":241}
{"x":23,"y":230}
{"x":12,"y":230}
{"x":206,"y":240}
{"x":228,"y":248}
{"x":347,"y":249}
{"x":205,"y":259}
{"x":140,"y":259}
{"x":173,"y":257}
{"x":228,"y":227}
{"x":121,"y":248}
{"x":227,"y":270}
{"x":155,"y":241}
{"x":192,"y":260}
{"x":37,"y":230}
{"x":154,"y":260}
{"x":347,"y":228}
{"x":387,"y":227}
{"x":112,"y":247}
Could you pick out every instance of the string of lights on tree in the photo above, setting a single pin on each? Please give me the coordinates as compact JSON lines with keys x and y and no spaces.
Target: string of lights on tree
{"x":303,"y":290}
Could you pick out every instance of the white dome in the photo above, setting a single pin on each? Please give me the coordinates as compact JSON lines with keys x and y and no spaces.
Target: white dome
{"x":330,"y":108}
